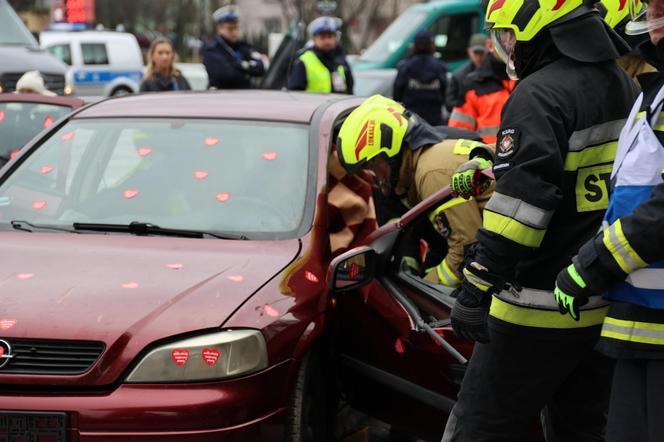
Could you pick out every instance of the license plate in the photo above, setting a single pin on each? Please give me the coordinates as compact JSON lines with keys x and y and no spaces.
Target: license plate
{"x":22,"y":426}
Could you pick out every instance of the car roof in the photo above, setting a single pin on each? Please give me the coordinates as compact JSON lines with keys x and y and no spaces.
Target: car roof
{"x":297,"y":107}
{"x":71,"y":102}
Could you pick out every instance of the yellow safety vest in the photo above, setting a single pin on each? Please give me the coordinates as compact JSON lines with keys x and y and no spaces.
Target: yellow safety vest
{"x":319,"y":79}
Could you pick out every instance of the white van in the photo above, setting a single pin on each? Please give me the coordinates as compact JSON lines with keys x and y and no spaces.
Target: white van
{"x":102,"y":62}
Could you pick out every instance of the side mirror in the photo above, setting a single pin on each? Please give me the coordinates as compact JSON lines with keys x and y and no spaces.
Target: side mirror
{"x":352,"y":269}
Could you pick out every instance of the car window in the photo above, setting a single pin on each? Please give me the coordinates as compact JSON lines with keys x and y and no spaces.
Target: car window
{"x":225,"y":176}
{"x":394,"y":36}
{"x":20,"y":122}
{"x":94,"y":53}
{"x":62,"y":52}
{"x":451,"y":35}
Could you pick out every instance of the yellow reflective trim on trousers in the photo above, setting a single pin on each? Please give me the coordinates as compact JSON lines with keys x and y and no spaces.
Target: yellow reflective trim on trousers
{"x":529,"y":317}
{"x":513,"y":230}
{"x":446,"y":275}
{"x":617,"y":244}
{"x":591,"y":156}
{"x":633,"y":331}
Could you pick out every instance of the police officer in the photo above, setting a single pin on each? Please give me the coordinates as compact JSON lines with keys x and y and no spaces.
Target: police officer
{"x":322,"y":68}
{"x":554,"y":155}
{"x":230,"y":62}
{"x":421,"y":81}
{"x":625,"y":261}
{"x":411,"y":161}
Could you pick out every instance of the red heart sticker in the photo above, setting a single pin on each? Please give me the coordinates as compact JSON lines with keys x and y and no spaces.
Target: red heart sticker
{"x":223,"y":197}
{"x":2,"y":351}
{"x":200,"y":174}
{"x":211,"y":141}
{"x":2,"y":115}
{"x":24,"y":276}
{"x":48,"y":121}
{"x":210,"y":355}
{"x":130,"y":193}
{"x":270,"y":311}
{"x":68,"y":136}
{"x":180,"y":356}
{"x":130,"y":285}
{"x":399,"y":347}
{"x":269,"y":156}
{"x":175,"y":266}
{"x":13,"y":153}
{"x":38,"y":205}
{"x":309,"y":276}
{"x":6,"y":324}
{"x":235,"y":278}
{"x":46,"y":169}
{"x":144,"y":151}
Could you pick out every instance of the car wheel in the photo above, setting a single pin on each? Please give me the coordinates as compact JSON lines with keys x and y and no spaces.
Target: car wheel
{"x":313,"y":402}
{"x":120,"y":91}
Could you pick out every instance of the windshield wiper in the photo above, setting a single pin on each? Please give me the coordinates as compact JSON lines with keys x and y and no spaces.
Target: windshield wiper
{"x":26,"y":226}
{"x":144,"y":229}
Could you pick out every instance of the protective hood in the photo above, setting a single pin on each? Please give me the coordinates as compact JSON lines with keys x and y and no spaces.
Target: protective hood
{"x":423,"y":134}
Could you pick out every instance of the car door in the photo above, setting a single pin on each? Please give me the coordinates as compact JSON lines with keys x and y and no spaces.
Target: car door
{"x":392,"y":365}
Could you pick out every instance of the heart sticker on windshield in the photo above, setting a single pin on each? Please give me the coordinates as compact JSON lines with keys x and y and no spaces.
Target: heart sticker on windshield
{"x":13,"y":153}
{"x":269,"y":156}
{"x":6,"y":324}
{"x":180,"y":356}
{"x":46,"y":169}
{"x":270,"y":311}
{"x":235,"y":278}
{"x":210,"y":355}
{"x":68,"y":136}
{"x":223,"y":197}
{"x":38,"y":205}
{"x":48,"y":121}
{"x":144,"y":151}
{"x":175,"y":266}
{"x":2,"y":116}
{"x":130,"y":285}
{"x":211,"y":141}
{"x":200,"y":174}
{"x":24,"y":276}
{"x":130,"y":193}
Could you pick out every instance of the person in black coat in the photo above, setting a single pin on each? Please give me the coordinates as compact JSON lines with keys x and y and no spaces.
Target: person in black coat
{"x":421,"y":80}
{"x":161,"y":75}
{"x":230,"y":62}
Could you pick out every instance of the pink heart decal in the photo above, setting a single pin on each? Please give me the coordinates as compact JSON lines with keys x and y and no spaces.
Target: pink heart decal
{"x":269,"y":156}
{"x":2,"y":351}
{"x":144,"y":151}
{"x":45,"y":169}
{"x":309,"y":276}
{"x":175,"y":266}
{"x":210,"y":355}
{"x":211,"y":141}
{"x":24,"y":276}
{"x":38,"y":205}
{"x":180,"y":356}
{"x":130,"y":193}
{"x":13,"y":153}
{"x":399,"y":347}
{"x":130,"y":285}
{"x":235,"y":278}
{"x":48,"y":121}
{"x":68,"y":136}
{"x":200,"y":174}
{"x":2,"y":116}
{"x":6,"y":324}
{"x":223,"y":197}
{"x":270,"y":311}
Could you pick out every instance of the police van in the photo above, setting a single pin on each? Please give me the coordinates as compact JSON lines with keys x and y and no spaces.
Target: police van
{"x":102,"y":63}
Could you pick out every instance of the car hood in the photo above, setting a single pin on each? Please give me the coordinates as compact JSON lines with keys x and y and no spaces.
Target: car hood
{"x":22,"y":59}
{"x":140,"y":289}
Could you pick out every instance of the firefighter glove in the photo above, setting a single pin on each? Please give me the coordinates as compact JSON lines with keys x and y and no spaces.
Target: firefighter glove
{"x":571,"y":292}
{"x":468,"y":180}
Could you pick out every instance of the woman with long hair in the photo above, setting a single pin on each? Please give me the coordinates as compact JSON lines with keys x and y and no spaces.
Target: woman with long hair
{"x":161,"y":74}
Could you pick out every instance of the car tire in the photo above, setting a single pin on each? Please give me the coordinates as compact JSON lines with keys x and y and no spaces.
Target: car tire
{"x":313,"y":402}
{"x":120,"y":91}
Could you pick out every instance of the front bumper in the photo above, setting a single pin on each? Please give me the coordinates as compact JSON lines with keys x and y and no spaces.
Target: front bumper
{"x":245,"y":409}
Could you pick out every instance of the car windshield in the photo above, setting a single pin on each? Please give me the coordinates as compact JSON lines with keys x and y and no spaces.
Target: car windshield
{"x":242,"y":178}
{"x":394,"y":37}
{"x":12,"y":29}
{"x":21,"y":121}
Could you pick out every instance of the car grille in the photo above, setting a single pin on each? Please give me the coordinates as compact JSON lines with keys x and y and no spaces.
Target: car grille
{"x":54,"y":82}
{"x":50,"y":357}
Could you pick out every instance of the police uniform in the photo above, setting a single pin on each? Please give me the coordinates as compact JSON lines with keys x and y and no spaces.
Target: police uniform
{"x":321,"y":72}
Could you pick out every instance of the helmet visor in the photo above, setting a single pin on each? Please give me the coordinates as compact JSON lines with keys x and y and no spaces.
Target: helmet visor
{"x":642,"y":21}
{"x":504,"y":42}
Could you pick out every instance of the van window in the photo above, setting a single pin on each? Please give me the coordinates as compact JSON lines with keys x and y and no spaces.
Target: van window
{"x":62,"y":52}
{"x":94,"y":53}
{"x":452,"y":33}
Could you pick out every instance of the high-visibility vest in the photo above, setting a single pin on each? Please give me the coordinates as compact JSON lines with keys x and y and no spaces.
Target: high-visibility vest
{"x":319,"y":78}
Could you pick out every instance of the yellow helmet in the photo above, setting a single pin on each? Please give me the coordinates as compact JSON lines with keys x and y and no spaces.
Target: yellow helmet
{"x":378,"y":126}
{"x":527,"y":18}
{"x":617,"y":11}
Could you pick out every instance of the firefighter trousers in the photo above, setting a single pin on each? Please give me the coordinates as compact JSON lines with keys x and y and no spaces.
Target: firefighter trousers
{"x":526,"y":373}
{"x":636,"y":412}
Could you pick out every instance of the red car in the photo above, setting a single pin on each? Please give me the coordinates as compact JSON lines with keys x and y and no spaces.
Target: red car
{"x":163,"y":263}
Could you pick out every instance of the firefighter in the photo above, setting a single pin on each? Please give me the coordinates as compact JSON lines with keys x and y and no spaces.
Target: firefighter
{"x":625,"y":260}
{"x":412,"y":160}
{"x":484,"y":93}
{"x":554,"y":155}
{"x":230,"y":62}
{"x":322,"y":68}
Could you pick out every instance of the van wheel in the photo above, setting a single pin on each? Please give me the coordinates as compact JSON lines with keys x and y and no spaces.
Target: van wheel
{"x":313,"y":403}
{"x":120,"y":91}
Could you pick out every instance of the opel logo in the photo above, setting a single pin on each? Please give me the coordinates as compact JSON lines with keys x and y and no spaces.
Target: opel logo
{"x":5,"y":353}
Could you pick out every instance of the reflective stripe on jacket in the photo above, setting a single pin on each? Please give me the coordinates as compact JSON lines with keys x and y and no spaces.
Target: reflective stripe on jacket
{"x":319,"y":77}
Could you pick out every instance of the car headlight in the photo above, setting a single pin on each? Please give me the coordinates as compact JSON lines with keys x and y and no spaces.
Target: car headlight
{"x":210,"y":357}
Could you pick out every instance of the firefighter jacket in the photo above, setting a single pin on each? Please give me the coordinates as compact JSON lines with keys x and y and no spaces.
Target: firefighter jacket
{"x":485,"y":92}
{"x":321,"y":72}
{"x":426,"y":171}
{"x":554,"y":157}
